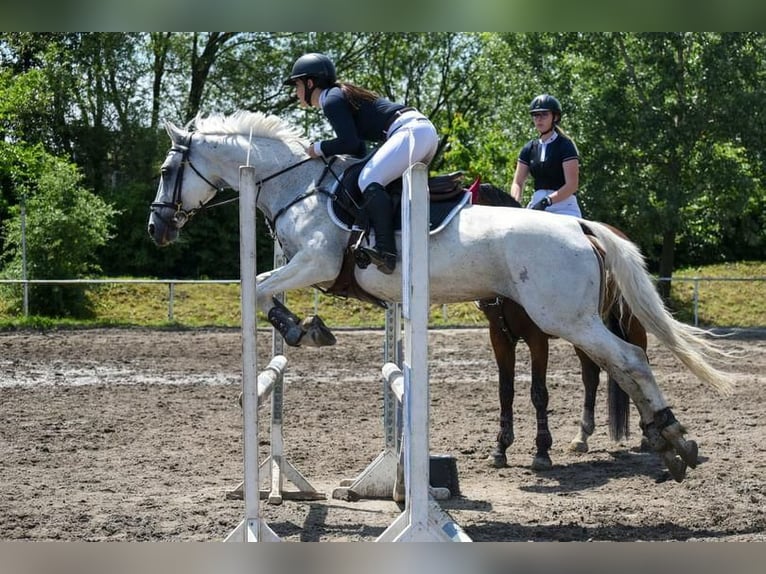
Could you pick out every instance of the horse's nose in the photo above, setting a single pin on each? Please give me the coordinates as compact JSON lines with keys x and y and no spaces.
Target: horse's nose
{"x":155,"y":235}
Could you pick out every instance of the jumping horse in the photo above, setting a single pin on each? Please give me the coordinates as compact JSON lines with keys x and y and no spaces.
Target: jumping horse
{"x":483,"y":252}
{"x":509,"y":324}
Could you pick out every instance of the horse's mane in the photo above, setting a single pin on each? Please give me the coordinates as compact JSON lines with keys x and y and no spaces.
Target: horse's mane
{"x":244,"y":123}
{"x":489,"y":194}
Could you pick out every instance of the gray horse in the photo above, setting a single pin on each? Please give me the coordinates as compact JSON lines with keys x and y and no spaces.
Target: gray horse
{"x":546,"y":263}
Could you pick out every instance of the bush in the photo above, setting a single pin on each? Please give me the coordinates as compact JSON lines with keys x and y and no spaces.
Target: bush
{"x":64,"y":225}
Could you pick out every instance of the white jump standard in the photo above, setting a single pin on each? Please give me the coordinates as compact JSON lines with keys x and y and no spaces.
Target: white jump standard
{"x":254,"y":390}
{"x":422,"y":519}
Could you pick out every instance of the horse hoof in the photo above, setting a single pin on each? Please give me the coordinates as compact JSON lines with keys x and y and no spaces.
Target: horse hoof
{"x":689,"y":453}
{"x":676,"y":466}
{"x":294,"y":336}
{"x":578,"y":446}
{"x":497,"y":460}
{"x":645,"y":445}
{"x":316,"y":333}
{"x":542,"y":463}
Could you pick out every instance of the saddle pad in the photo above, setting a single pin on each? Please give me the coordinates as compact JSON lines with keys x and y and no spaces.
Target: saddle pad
{"x":441,"y":213}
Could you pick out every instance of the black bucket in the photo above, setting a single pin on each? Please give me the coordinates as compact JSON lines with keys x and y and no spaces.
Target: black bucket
{"x":443,"y":473}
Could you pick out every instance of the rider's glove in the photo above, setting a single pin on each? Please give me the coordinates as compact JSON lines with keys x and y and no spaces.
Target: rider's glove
{"x":542,"y":204}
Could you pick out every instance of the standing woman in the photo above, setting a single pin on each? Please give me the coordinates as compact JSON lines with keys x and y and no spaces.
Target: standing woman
{"x":358,"y":115}
{"x":553,"y":161}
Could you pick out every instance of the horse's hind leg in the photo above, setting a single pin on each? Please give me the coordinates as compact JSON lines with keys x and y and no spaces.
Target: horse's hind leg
{"x":629,"y":366}
{"x":618,"y":401}
{"x":590,"y":380}
{"x":504,"y":347}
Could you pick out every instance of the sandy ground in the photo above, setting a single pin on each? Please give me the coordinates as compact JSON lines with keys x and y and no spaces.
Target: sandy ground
{"x":136,"y":435}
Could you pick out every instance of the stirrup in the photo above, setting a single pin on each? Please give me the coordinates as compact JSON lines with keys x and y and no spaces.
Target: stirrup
{"x":385,"y":262}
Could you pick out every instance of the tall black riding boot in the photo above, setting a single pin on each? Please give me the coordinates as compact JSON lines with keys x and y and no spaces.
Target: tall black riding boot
{"x":380,"y":210}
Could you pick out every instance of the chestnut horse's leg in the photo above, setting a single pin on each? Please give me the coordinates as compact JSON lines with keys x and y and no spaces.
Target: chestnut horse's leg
{"x":622,"y":323}
{"x":508,"y":322}
{"x":537,"y":341}
{"x":504,"y":347}
{"x":590,"y":379}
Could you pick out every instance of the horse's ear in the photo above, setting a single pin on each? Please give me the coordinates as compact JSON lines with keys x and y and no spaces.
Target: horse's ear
{"x":174,"y":133}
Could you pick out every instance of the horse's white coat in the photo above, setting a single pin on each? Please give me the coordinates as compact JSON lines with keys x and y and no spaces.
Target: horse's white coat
{"x":542,"y":261}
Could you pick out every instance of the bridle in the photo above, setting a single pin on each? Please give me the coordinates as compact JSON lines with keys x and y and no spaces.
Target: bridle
{"x":181,"y":216}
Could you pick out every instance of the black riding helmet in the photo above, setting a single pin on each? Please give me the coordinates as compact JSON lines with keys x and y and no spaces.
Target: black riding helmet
{"x":316,"y":66}
{"x":546,"y":102}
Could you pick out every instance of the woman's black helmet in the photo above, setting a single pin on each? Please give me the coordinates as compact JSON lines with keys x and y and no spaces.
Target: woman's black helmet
{"x":545,"y":102}
{"x":316,"y":66}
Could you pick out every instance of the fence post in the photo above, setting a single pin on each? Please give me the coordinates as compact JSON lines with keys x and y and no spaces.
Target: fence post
{"x":171,"y":295}
{"x":696,"y":301}
{"x":25,"y":292}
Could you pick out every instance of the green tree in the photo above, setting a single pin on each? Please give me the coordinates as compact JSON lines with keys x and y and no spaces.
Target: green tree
{"x":64,"y":224}
{"x":668,"y":154}
{"x":670,"y":131}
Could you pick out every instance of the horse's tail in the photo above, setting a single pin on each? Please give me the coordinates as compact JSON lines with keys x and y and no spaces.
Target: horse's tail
{"x":618,"y":401}
{"x":628,"y":268}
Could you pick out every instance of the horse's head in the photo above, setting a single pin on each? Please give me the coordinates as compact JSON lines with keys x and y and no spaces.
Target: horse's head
{"x":181,"y":192}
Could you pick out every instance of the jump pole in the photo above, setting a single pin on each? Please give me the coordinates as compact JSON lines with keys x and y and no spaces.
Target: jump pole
{"x":252,"y":528}
{"x":276,"y":466}
{"x":422,"y":519}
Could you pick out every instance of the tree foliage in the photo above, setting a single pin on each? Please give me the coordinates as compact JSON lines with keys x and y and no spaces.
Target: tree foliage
{"x":670,"y":126}
{"x":56,"y":227}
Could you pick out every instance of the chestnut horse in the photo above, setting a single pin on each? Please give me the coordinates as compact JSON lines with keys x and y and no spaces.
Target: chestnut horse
{"x":508,"y":324}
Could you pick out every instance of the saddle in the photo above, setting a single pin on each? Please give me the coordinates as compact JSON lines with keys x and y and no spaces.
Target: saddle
{"x":446,"y":193}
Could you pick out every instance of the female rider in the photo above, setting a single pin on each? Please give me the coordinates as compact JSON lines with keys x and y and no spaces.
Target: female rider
{"x":553,"y":161}
{"x":358,"y":115}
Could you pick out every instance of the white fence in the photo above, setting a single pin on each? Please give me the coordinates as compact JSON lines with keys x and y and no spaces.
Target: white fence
{"x":172,"y":283}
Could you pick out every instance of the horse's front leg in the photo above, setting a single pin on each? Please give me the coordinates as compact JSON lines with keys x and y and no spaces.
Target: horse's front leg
{"x":504,"y":348}
{"x":303,"y":270}
{"x":538,"y":349}
{"x":590,"y":379}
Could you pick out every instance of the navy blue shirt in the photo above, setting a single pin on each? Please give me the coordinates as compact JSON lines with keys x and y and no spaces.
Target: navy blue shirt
{"x":548,"y":174}
{"x":354,"y":127}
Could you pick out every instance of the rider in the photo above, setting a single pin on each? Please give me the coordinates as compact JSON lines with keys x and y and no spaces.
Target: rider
{"x":553,"y":161}
{"x":357,"y":115}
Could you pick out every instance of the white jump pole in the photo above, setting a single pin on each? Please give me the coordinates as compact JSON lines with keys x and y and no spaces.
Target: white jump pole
{"x":422,"y":519}
{"x":276,"y":467}
{"x":378,"y":480}
{"x":253,"y":528}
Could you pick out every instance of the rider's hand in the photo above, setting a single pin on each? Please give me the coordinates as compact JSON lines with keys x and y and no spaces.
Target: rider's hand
{"x":542,"y":204}
{"x":311,"y":151}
